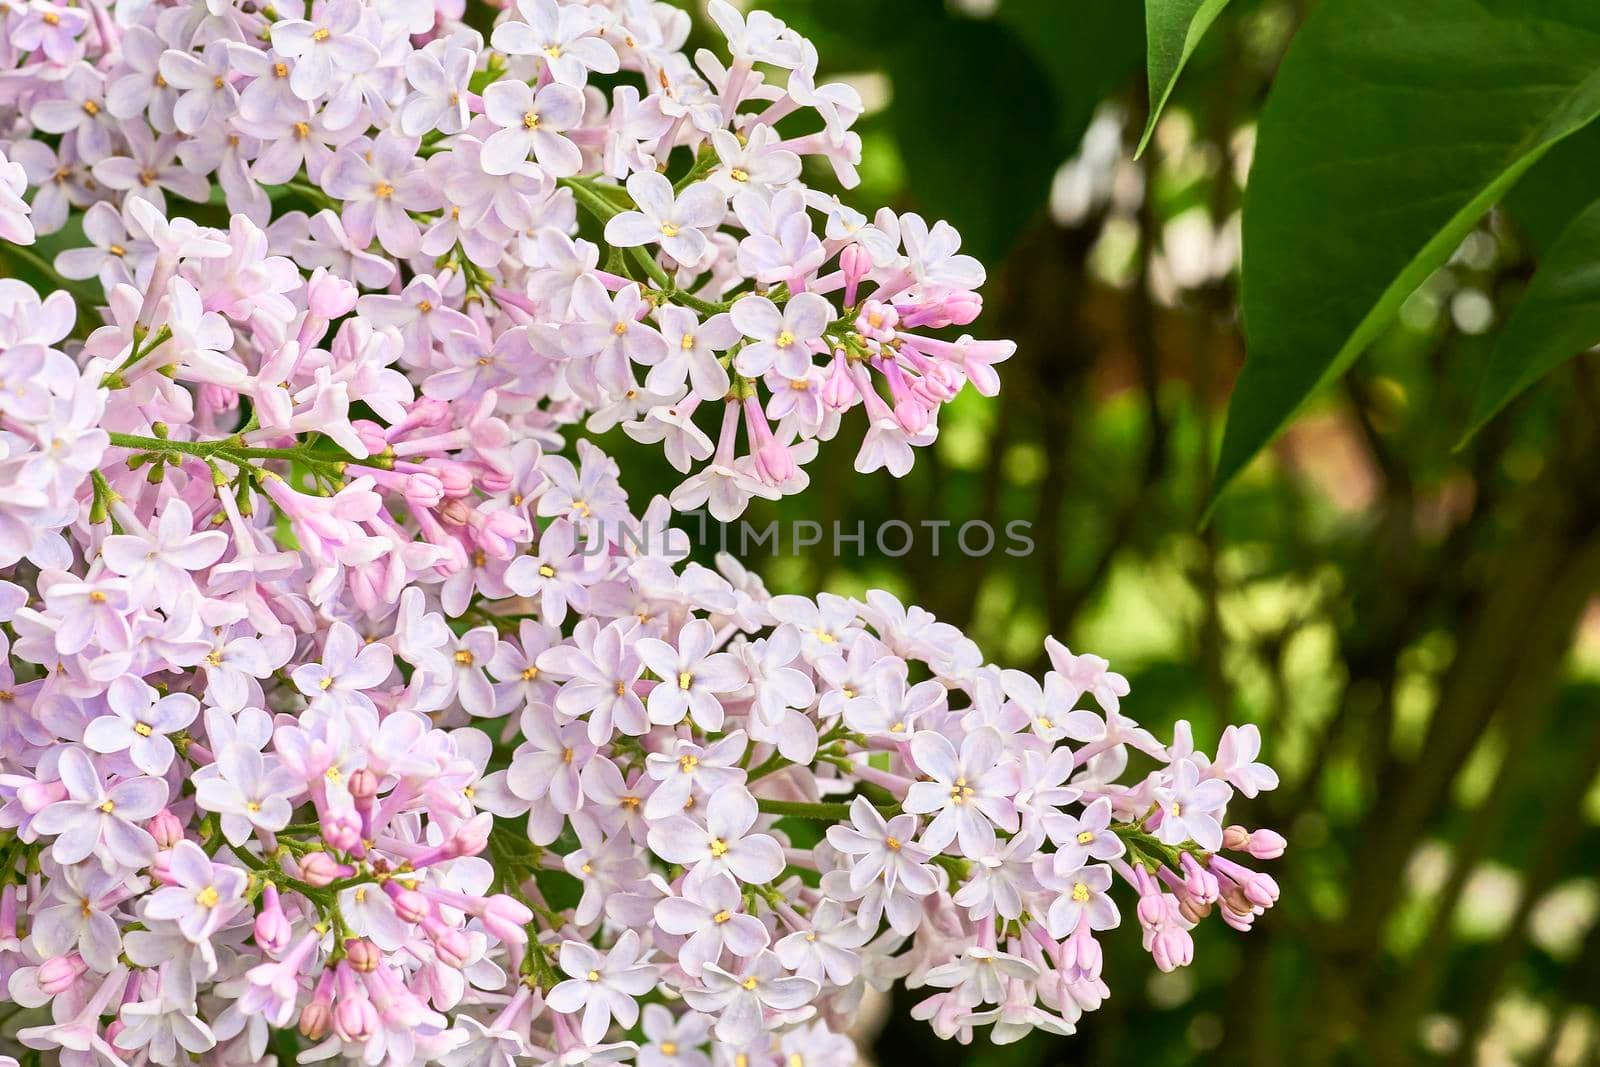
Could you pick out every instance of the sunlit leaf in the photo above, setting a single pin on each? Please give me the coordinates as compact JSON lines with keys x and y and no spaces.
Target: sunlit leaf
{"x":1390,"y":130}
{"x":1173,"y":29}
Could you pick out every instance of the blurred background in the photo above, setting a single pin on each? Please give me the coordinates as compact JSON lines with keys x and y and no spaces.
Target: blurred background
{"x":1415,"y":629}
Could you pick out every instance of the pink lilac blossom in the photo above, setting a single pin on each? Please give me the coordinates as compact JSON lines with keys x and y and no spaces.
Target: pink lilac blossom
{"x":340,"y":696}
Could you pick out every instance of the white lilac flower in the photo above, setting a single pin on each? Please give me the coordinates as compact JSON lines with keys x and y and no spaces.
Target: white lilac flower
{"x":724,"y":841}
{"x":94,"y":818}
{"x":603,"y":986}
{"x":345,"y":688}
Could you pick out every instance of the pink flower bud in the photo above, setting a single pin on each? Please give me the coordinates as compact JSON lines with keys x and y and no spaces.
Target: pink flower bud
{"x":1172,"y":947}
{"x":57,"y":974}
{"x":774,"y":464}
{"x":1199,"y":883}
{"x":422,"y":490}
{"x":166,"y":828}
{"x":363,"y":955}
{"x":319,"y":869}
{"x":161,"y":868}
{"x":1235,"y":838}
{"x":1083,"y":952}
{"x":1266,"y":844}
{"x":838,"y":392}
{"x":452,"y":946}
{"x":410,"y":905}
{"x":355,"y":1019}
{"x":342,"y":829}
{"x":455,"y":479}
{"x":363,"y":784}
{"x":36,"y":796}
{"x":911,"y":415}
{"x":371,"y":435}
{"x":272,"y":927}
{"x":315,"y":1019}
{"x":500,"y":533}
{"x":1261,"y":890}
{"x":505,"y":917}
{"x":962,"y":307}
{"x":329,"y":296}
{"x":1152,"y":911}
{"x":472,"y":836}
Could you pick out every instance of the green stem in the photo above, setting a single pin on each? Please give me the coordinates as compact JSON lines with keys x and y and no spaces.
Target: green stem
{"x":795,"y":809}
{"x":226,"y":448}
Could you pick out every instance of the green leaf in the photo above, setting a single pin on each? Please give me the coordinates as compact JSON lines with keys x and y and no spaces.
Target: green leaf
{"x":1172,"y":30}
{"x":1555,"y":189}
{"x":1558,"y":317}
{"x":1391,"y":129}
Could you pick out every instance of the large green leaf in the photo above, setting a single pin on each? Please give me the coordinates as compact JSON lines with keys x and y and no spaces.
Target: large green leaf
{"x":1558,"y":317}
{"x":1172,"y":30}
{"x":1391,"y":129}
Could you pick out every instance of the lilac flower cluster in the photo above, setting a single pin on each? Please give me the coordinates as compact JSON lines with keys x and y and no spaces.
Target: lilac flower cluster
{"x":340,"y":696}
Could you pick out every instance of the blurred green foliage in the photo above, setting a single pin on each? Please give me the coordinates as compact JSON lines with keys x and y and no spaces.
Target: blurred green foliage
{"x":1413,"y":627}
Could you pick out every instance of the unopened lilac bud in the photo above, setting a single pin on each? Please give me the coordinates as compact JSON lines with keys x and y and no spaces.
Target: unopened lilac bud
{"x":1152,"y":910}
{"x":774,"y":464}
{"x":472,"y":836}
{"x":912,"y":415}
{"x":1199,"y":883}
{"x":371,"y":435}
{"x":329,"y":296}
{"x":36,"y":796}
{"x":355,"y":1019}
{"x":452,"y":946}
{"x":1193,"y":910}
{"x":839,"y":392}
{"x":56,"y":975}
{"x":454,"y":512}
{"x":166,"y":828}
{"x":961,"y":308}
{"x":1172,"y":947}
{"x":410,"y":905}
{"x":493,"y":482}
{"x":1261,"y":890}
{"x":500,"y":532}
{"x":1266,"y":844}
{"x":342,"y":829}
{"x":505,"y":917}
{"x":315,"y":1020}
{"x":1083,"y":952}
{"x":272,"y":927}
{"x":362,"y":954}
{"x":161,"y":868}
{"x":1235,"y":839}
{"x":363,"y":784}
{"x":319,"y":869}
